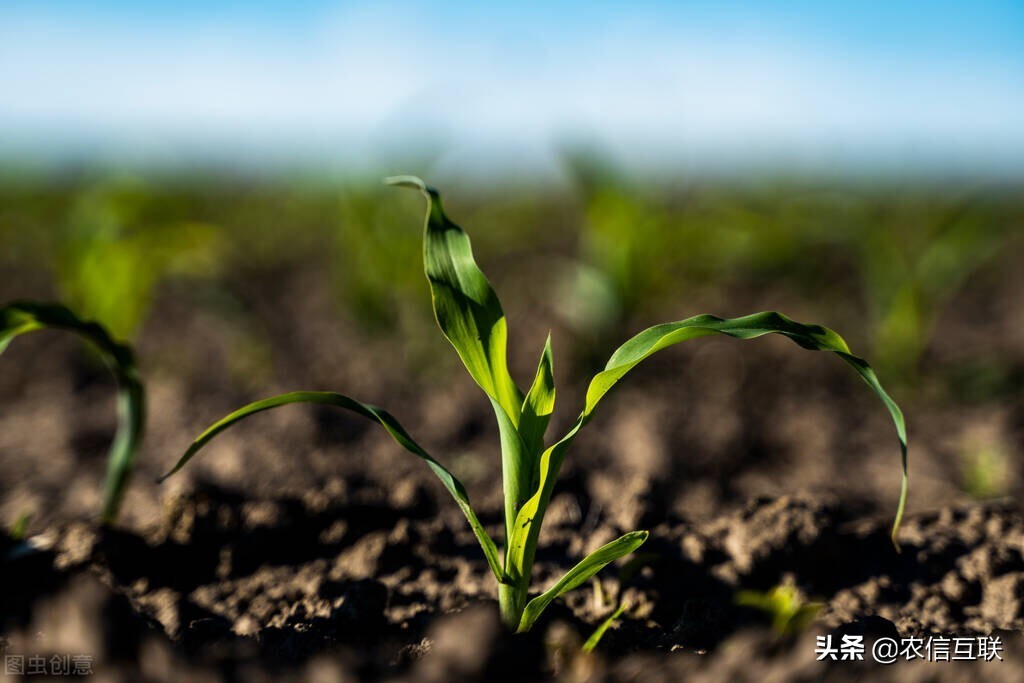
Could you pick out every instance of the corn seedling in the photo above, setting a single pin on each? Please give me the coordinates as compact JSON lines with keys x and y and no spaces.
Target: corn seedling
{"x":20,"y":317}
{"x":470,"y":316}
{"x":19,"y":530}
{"x":914,"y":260}
{"x":629,"y":570}
{"x":789,"y":609}
{"x":985,"y":469}
{"x":595,"y":638}
{"x":115,"y":251}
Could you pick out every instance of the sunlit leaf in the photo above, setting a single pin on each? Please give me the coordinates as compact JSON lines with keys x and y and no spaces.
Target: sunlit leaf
{"x":390,"y":425}
{"x":470,"y":316}
{"x":575,"y":577}
{"x":538,"y":405}
{"x":591,"y":644}
{"x":467,"y":308}
{"x":626,"y":357}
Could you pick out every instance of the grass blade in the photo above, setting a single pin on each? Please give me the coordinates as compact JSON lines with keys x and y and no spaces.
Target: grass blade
{"x":24,"y":316}
{"x":390,"y":425}
{"x":588,"y":566}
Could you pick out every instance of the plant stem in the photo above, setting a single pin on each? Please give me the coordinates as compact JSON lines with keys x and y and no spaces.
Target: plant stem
{"x":510,"y":605}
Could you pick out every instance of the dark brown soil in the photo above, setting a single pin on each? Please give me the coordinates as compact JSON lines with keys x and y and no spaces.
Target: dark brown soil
{"x":305,"y":545}
{"x":383,"y":587}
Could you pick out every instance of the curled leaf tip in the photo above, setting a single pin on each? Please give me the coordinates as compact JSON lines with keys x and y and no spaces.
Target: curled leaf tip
{"x":405,"y":181}
{"x":412,"y":182}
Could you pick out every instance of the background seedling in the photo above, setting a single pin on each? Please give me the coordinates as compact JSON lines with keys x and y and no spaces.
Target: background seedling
{"x":20,"y":317}
{"x":916,"y":256}
{"x":117,"y":247}
{"x":985,"y":471}
{"x":20,"y":527}
{"x":790,"y":611}
{"x":626,"y":575}
{"x":471,"y":317}
{"x":595,"y":638}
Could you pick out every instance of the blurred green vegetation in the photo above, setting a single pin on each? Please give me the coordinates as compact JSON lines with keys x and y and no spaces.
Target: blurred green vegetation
{"x":117,"y":243}
{"x":788,"y":608}
{"x":880,"y":261}
{"x":986,"y":471}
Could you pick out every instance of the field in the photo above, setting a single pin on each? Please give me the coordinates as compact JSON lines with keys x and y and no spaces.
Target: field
{"x":306,"y":544}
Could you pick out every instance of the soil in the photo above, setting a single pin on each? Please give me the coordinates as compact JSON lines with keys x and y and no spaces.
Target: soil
{"x":383,"y":588}
{"x":305,"y":545}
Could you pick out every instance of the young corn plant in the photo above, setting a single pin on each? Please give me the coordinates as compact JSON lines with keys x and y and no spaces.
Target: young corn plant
{"x":471,"y":318}
{"x":24,"y":316}
{"x":790,"y":610}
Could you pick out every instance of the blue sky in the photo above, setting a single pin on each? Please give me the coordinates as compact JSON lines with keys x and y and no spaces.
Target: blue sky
{"x":895,"y":86}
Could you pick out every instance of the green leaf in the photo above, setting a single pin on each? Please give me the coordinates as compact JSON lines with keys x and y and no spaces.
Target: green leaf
{"x":470,"y":316}
{"x":814,"y":337}
{"x":516,"y":467}
{"x":19,"y":530}
{"x":789,"y":609}
{"x":590,"y":565}
{"x":539,"y":404}
{"x":599,"y":632}
{"x":24,"y":316}
{"x":525,"y":532}
{"x":467,"y":308}
{"x":388,"y":422}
